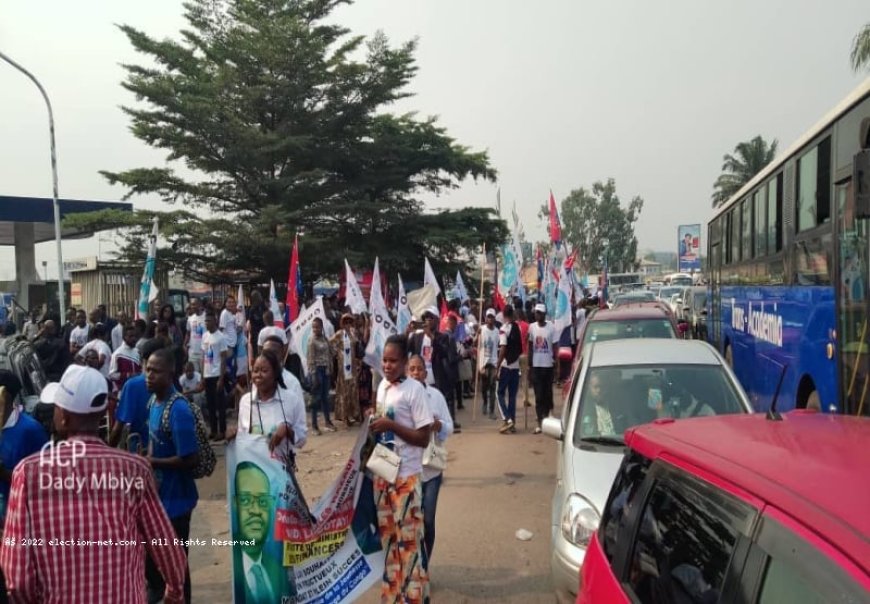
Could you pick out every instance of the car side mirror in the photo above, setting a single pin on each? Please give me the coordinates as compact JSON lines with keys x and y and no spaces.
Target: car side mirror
{"x":552,"y":427}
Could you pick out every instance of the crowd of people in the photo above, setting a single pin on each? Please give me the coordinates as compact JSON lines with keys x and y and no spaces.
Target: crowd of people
{"x":122,"y":386}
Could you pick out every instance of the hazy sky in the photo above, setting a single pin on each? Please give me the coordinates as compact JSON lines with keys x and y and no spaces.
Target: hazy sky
{"x":561,"y":92}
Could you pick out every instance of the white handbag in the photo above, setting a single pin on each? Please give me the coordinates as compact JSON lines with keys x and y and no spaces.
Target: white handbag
{"x":435,"y":456}
{"x":384,"y":462}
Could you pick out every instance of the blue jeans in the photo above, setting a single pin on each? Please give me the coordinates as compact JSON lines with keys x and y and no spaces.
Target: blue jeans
{"x":320,"y":394}
{"x":431,"y":488}
{"x":508,"y":379}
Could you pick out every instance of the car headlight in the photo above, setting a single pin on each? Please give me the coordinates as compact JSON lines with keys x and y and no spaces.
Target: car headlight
{"x":580,"y":520}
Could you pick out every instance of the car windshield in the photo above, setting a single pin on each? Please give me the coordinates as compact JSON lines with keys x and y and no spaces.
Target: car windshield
{"x":699,"y":301}
{"x":667,"y":292}
{"x":600,"y":331}
{"x":615,"y":399}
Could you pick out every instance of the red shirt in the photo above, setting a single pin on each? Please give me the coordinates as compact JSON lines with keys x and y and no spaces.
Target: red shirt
{"x":43,"y":555}
{"x":524,"y":334}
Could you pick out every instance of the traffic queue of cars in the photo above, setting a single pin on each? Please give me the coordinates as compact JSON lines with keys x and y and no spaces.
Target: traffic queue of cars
{"x":670,"y":489}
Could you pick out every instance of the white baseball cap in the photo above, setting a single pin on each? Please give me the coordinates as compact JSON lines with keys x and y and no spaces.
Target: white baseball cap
{"x":432,"y":310}
{"x":490,"y":312}
{"x":81,"y":390}
{"x":541,"y":308}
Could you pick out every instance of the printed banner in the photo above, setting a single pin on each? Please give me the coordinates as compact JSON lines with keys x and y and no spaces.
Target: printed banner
{"x":285,"y":552}
{"x":689,"y":247}
{"x":300,"y":330}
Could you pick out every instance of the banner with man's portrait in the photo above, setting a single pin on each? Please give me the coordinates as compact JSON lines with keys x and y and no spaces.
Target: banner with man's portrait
{"x":689,"y":247}
{"x":285,"y":552}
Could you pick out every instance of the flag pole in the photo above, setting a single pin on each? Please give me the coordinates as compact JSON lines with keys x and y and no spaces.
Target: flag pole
{"x":479,"y":338}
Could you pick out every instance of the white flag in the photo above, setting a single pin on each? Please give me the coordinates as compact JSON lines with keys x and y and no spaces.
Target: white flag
{"x":382,"y":328}
{"x":352,"y":293}
{"x":429,"y":276}
{"x":376,"y":295}
{"x":461,"y":292}
{"x":300,"y":330}
{"x":403,"y":314}
{"x":277,"y":315}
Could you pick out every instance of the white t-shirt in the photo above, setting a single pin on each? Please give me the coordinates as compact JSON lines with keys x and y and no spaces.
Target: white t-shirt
{"x":503,"y":340}
{"x":79,"y":335}
{"x":196,"y":329}
{"x":229,"y":325}
{"x":409,"y":404}
{"x":291,"y":398}
{"x":438,"y":407}
{"x":189,"y":384}
{"x":268,"y":332}
{"x":213,"y":344}
{"x":117,"y":336}
{"x":542,"y":340}
{"x":102,"y":349}
{"x":489,"y":346}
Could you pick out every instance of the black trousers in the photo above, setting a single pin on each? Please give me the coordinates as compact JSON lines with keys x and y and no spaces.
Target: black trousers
{"x":156,"y":584}
{"x":217,"y":406}
{"x":542,"y":382}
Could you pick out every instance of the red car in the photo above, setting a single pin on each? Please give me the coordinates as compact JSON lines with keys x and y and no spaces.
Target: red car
{"x":737,"y":508}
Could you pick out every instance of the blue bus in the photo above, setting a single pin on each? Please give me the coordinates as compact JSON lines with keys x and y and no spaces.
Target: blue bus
{"x":789,"y":256}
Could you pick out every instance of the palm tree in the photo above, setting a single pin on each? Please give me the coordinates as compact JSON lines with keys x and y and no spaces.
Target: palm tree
{"x":861,"y":49}
{"x":748,"y":159}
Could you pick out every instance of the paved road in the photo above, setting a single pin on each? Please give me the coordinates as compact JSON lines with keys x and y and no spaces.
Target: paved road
{"x":494,"y":485}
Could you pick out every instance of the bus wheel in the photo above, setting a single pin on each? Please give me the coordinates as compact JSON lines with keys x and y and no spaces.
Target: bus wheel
{"x":729,"y":356}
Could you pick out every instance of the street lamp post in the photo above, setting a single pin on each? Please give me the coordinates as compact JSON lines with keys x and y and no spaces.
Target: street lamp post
{"x":54,"y":182}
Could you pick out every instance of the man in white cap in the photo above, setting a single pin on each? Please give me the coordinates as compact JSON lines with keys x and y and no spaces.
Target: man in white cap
{"x":440,"y":357}
{"x":92,"y":509}
{"x":543,"y":338}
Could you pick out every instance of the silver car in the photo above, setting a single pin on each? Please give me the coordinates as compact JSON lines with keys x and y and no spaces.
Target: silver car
{"x":623,"y":383}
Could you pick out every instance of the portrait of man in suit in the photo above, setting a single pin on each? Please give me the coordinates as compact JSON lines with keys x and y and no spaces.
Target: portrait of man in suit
{"x":258,"y":575}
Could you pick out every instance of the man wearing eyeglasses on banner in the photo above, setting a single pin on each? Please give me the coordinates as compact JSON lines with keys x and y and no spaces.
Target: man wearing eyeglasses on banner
{"x":258,"y":576}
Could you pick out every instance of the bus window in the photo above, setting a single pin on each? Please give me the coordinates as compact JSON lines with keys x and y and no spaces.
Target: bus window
{"x":734,"y":219}
{"x":746,"y":220}
{"x":761,"y":222}
{"x":807,"y":172}
{"x":774,"y":214}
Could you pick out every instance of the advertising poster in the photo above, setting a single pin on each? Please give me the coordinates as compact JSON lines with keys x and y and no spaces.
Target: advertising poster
{"x":689,"y":247}
{"x":285,"y":552}
{"x":300,"y":330}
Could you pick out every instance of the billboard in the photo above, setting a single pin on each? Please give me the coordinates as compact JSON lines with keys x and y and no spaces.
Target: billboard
{"x":689,"y":247}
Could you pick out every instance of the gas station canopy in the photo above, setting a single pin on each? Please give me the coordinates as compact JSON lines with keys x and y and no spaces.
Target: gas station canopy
{"x":39,"y":212}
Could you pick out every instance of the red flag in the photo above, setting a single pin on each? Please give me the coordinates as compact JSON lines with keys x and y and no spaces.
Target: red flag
{"x":444,"y":314}
{"x":498,"y":300}
{"x":569,"y":262}
{"x":292,"y":300}
{"x":555,"y":227}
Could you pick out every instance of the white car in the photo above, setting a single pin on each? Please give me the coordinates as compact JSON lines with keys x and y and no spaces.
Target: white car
{"x":620,"y":384}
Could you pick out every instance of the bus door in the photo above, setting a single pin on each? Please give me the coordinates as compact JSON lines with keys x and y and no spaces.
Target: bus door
{"x":714,"y":322}
{"x":853,"y":257}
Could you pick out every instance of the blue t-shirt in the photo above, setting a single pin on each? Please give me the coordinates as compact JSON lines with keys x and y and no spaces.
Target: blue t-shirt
{"x":133,"y":407}
{"x":26,"y":437}
{"x":177,"y":488}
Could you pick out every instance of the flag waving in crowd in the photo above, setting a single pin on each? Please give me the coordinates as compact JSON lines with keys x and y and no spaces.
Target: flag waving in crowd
{"x":429,"y":277}
{"x":277,"y":315}
{"x":352,"y":292}
{"x":294,"y":284}
{"x":147,"y":289}
{"x":403,"y":312}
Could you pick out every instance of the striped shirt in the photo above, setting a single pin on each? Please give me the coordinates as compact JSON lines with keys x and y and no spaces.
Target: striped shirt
{"x":80,"y":519}
{"x":125,"y":364}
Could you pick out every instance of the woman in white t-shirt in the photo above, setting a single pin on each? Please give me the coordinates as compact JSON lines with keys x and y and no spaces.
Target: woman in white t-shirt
{"x":403,"y":423}
{"x":269,"y":410}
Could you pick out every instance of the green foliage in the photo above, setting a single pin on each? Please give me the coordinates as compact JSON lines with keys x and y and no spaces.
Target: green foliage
{"x":594,"y":220}
{"x":273,"y":118}
{"x":749,"y":158}
{"x":860,"y":55}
